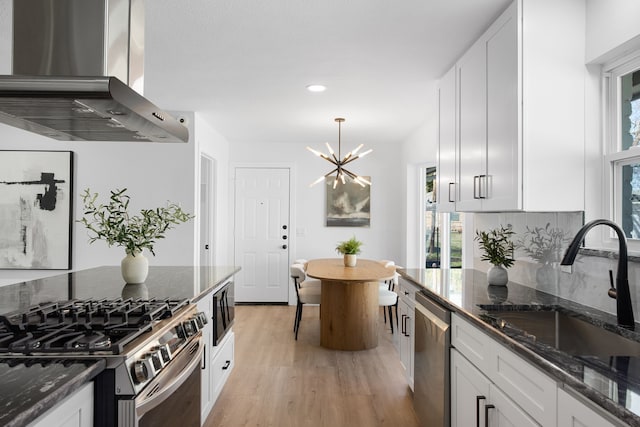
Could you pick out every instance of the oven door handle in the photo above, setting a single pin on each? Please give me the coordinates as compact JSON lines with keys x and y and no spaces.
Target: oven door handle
{"x":154,"y":400}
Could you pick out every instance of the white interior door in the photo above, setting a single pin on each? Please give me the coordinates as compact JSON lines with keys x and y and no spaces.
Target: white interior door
{"x":262,"y":234}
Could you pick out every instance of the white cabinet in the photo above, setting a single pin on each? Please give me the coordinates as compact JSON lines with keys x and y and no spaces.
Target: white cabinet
{"x":521,"y":395}
{"x":573,"y":413}
{"x":75,"y":410}
{"x":472,"y":128}
{"x":519,"y":126}
{"x":446,"y":182}
{"x":217,"y":361}
{"x":222,"y":363}
{"x":484,"y":372}
{"x":469,"y":392}
{"x":405,"y":341}
{"x":476,"y":401}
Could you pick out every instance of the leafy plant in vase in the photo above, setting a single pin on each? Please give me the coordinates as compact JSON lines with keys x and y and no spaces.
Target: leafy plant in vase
{"x":497,"y":248}
{"x":113,"y":224}
{"x":350,"y":249}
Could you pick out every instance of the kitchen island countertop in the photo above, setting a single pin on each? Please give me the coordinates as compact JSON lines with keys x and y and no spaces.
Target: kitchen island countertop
{"x":466,"y":293}
{"x":30,"y":386}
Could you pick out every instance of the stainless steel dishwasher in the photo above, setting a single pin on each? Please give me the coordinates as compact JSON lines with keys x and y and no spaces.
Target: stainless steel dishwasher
{"x":431,"y":377}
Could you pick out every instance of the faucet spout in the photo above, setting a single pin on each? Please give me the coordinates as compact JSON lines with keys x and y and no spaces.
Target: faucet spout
{"x":623,"y":296}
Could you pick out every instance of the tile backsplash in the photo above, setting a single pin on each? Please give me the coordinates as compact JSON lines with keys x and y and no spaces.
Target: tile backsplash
{"x":541,"y":239}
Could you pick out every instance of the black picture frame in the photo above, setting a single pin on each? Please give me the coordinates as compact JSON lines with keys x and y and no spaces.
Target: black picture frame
{"x":36,"y":209}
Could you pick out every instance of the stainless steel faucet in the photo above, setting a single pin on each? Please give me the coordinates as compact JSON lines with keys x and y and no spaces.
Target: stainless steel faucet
{"x":621,"y":291}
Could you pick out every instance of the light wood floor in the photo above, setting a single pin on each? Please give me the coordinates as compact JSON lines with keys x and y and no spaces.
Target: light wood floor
{"x":278,"y":381}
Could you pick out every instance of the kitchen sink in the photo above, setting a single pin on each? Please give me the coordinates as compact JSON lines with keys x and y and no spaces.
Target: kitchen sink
{"x":567,"y":332}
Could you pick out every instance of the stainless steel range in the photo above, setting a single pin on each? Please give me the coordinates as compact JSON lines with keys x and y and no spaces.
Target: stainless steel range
{"x":153,"y":351}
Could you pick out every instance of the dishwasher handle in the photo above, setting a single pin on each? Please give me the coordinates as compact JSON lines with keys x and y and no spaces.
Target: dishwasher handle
{"x":439,"y":323}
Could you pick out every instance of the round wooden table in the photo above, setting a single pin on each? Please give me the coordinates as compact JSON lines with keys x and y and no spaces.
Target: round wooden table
{"x":349,"y":303}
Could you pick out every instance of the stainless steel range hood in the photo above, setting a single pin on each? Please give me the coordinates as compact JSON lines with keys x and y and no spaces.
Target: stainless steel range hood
{"x":73,"y":64}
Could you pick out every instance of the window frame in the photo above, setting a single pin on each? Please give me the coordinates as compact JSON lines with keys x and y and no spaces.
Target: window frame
{"x":615,"y":157}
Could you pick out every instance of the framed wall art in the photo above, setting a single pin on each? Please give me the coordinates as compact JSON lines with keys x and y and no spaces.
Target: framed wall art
{"x":348,"y":204}
{"x":36,"y":193}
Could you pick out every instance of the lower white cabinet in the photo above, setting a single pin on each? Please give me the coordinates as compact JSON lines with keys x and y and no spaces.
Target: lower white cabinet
{"x":217,"y":361}
{"x":476,"y":401}
{"x":222,"y":363}
{"x":491,"y":386}
{"x":405,"y":339}
{"x":75,"y":410}
{"x":573,"y":413}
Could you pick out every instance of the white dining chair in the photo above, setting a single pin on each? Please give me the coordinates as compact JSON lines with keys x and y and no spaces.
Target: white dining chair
{"x":387,"y":297}
{"x":310,"y":294}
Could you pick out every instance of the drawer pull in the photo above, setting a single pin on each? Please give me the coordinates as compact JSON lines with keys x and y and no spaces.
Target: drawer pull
{"x":478,"y":399}
{"x":486,"y":414}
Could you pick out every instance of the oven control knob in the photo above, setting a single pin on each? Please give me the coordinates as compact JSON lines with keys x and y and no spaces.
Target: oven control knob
{"x":165,"y":352}
{"x":190,"y":328}
{"x":201,"y":319}
{"x":140,"y":371}
{"x":155,"y":356}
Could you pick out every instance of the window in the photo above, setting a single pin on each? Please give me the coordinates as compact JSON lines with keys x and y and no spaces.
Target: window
{"x":623,"y":158}
{"x":442,"y":231}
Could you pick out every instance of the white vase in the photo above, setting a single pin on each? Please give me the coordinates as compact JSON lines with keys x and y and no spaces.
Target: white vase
{"x":135,"y":268}
{"x":497,"y":275}
{"x":350,"y":260}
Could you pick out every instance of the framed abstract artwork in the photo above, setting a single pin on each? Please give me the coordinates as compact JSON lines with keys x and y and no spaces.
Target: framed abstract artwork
{"x":348,"y":204}
{"x":36,"y":193}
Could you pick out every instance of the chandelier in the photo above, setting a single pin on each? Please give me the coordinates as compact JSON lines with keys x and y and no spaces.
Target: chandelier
{"x":342,"y":174}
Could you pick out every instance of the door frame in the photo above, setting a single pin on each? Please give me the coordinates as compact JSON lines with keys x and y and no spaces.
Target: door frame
{"x":211,"y":210}
{"x":292,"y":203}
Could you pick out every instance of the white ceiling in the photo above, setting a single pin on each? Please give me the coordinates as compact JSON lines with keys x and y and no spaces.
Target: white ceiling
{"x":245,"y":64}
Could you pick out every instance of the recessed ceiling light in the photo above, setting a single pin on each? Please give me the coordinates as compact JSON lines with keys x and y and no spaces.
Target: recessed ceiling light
{"x":316,"y":88}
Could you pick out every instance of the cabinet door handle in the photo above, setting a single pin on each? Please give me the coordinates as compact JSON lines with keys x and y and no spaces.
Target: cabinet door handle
{"x":204,"y":358}
{"x":482,"y":179}
{"x":475,"y":186}
{"x":402,"y":330}
{"x":478,"y":399}
{"x":450,"y":184}
{"x":486,"y":414}
{"x":404,"y":324}
{"x":226,"y":365}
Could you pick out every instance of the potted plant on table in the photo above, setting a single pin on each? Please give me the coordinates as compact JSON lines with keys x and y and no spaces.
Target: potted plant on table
{"x":497,"y":248}
{"x":113,"y":224}
{"x":350,"y":249}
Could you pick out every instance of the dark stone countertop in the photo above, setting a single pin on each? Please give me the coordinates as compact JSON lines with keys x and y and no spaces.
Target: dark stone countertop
{"x":29,"y":386}
{"x":613,"y":384}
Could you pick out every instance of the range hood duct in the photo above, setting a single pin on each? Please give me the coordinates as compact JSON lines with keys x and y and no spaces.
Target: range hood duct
{"x":75,"y":66}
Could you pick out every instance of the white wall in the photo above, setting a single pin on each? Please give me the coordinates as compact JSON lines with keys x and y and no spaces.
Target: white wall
{"x":310,"y":238}
{"x":612,"y":28}
{"x":214,"y":145}
{"x":418,"y":150}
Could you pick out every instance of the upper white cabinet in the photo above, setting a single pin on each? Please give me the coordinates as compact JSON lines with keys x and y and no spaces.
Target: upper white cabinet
{"x":517,"y":115}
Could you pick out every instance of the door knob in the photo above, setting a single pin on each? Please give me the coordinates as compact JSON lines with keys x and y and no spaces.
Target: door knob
{"x":284,"y":246}
{"x":284,"y":227}
{"x":284,"y":237}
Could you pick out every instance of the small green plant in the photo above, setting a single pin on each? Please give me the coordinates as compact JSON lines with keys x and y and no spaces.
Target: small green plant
{"x":113,"y":224}
{"x":496,"y":246}
{"x":349,"y":247}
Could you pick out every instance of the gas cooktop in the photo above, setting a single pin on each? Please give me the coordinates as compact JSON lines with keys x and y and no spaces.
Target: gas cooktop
{"x":82,"y":326}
